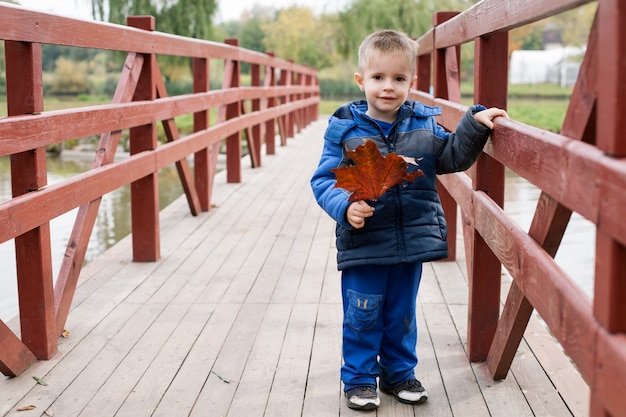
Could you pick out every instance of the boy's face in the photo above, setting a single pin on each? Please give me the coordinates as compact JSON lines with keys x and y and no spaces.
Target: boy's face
{"x":386,"y":80}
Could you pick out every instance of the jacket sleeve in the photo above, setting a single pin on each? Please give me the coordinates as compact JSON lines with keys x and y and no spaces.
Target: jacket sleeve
{"x":333,"y":201}
{"x":463,"y":147}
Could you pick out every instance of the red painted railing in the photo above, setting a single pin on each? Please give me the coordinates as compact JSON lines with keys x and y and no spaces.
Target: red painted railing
{"x":281,"y":94}
{"x":582,"y":169}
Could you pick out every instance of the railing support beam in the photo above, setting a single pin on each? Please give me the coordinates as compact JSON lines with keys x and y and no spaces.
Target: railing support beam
{"x":203,"y":175}
{"x":441,"y":89}
{"x":144,"y":193}
{"x":609,"y":305}
{"x":484,"y":268}
{"x":29,"y":173}
{"x":233,"y":110}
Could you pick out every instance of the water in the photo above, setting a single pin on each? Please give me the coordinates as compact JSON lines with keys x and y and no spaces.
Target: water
{"x":112,"y":223}
{"x":575,"y":256}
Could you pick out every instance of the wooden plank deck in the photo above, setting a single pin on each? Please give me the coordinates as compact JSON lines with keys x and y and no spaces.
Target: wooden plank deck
{"x":242,"y":317}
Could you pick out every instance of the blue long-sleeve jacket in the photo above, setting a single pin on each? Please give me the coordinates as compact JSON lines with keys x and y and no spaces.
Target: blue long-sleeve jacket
{"x":408,"y":224}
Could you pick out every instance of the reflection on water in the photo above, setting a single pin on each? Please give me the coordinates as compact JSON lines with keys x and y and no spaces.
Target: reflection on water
{"x":575,"y":256}
{"x":112,"y":223}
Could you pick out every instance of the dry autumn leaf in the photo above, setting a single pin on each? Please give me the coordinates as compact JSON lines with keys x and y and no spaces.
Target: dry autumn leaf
{"x":27,"y":408}
{"x":372,"y":175}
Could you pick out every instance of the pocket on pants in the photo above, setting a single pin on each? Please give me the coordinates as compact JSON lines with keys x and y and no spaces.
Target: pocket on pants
{"x":363,"y":310}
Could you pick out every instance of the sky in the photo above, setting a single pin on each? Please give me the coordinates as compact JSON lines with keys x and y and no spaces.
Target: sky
{"x":228,"y":9}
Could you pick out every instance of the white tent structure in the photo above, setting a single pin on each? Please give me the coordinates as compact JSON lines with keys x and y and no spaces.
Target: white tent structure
{"x":556,"y":66}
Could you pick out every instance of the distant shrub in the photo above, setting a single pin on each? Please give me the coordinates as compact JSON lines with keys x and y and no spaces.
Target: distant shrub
{"x":333,"y":89}
{"x":69,"y":77}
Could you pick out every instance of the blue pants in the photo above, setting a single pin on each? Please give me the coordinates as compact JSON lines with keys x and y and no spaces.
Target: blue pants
{"x":379,"y":325}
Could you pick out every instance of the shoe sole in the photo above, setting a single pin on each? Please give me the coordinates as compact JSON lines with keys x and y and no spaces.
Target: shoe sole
{"x":365,"y":407}
{"x":421,"y":400}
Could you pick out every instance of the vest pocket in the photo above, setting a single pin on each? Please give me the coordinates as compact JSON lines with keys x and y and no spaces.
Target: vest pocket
{"x":363,"y":310}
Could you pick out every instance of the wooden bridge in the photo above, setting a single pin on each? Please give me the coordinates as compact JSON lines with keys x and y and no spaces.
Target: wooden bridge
{"x":228,"y":301}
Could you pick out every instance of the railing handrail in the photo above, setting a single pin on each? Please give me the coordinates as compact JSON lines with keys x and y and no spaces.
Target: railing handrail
{"x":280,"y":94}
{"x":23,"y":25}
{"x":112,"y":116}
{"x":582,"y":169}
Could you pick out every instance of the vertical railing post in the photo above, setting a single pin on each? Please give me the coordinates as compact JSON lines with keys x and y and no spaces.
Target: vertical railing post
{"x":203,"y":169}
{"x":299,"y":80}
{"x":308,"y":111}
{"x":283,"y":121}
{"x":29,"y":174}
{"x":233,"y":110}
{"x":441,"y":90}
{"x":270,"y":125}
{"x":610,"y":286}
{"x":144,"y":193}
{"x":609,"y":306}
{"x":255,"y":70}
{"x":424,"y":72}
{"x":484,"y":269}
{"x":314,"y":108}
{"x":291,"y":115}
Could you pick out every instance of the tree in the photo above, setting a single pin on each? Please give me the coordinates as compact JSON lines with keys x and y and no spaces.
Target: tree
{"x":527,"y":37}
{"x":191,"y":18}
{"x":574,"y":27}
{"x":188,"y":18}
{"x":299,"y":35}
{"x":250,"y":31}
{"x":576,"y":24}
{"x":414,"y":17}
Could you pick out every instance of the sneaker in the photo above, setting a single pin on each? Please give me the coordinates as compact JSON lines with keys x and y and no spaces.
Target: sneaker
{"x":408,"y":392}
{"x":362,"y":398}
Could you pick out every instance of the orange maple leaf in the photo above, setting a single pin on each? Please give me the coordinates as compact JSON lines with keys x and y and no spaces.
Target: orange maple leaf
{"x":372,"y":175}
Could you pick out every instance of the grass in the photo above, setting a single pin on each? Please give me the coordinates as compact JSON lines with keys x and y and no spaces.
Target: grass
{"x":543,"y":91}
{"x":543,"y":113}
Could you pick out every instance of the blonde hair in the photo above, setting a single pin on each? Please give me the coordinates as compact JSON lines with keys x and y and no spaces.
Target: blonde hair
{"x":387,"y":41}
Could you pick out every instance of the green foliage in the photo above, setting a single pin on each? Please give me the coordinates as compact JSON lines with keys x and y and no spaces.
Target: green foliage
{"x":299,"y":35}
{"x":574,"y":24}
{"x":183,"y":17}
{"x":533,"y":41}
{"x":51,"y":53}
{"x":190,"y":18}
{"x":413,"y":17}
{"x":70,"y":77}
{"x":333,"y":89}
{"x":187,"y":18}
{"x":367,"y":16}
{"x":249,"y":29}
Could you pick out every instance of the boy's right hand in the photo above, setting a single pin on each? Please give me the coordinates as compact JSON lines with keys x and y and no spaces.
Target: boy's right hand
{"x":357,"y":212}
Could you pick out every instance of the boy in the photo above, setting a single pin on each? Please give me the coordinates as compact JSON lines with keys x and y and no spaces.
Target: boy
{"x":382,"y":244}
